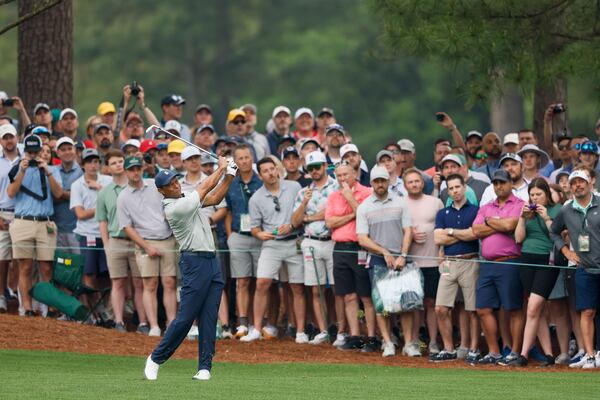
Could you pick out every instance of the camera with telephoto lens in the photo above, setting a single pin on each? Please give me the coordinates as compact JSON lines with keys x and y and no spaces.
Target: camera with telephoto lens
{"x":8,"y":102}
{"x":135,"y":89}
{"x":33,"y":163}
{"x":559,"y":108}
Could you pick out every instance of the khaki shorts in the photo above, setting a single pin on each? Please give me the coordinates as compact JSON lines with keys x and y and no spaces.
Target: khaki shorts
{"x":5,"y":242}
{"x":165,"y":265}
{"x":120,"y":258}
{"x":463,"y":274}
{"x":280,"y":256}
{"x":31,"y":239}
{"x":323,"y":259}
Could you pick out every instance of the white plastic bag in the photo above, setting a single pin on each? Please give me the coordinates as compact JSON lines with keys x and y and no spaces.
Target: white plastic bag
{"x":397,"y":291}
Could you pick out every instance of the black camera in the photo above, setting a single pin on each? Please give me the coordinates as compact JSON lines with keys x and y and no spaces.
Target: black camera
{"x":148,"y":158}
{"x":439,"y":117}
{"x":559,"y":108}
{"x":135,"y":89}
{"x":8,"y":102}
{"x":33,"y":163}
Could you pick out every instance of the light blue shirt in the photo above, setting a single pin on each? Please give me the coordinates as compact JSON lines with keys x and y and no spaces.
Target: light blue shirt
{"x":5,"y":166}
{"x":63,"y":216}
{"x":29,"y":206}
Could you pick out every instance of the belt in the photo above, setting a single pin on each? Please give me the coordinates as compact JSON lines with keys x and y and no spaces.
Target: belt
{"x":121,"y":238}
{"x":292,"y":237}
{"x":7,"y":210}
{"x":505,"y":258}
{"x":159,"y":240}
{"x":34,"y":218}
{"x":243,"y":233}
{"x":322,"y":239}
{"x":205,"y":254}
{"x":347,"y":244}
{"x":464,"y":256}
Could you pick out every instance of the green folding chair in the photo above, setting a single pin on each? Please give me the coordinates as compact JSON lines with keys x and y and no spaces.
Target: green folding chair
{"x":66,"y":286}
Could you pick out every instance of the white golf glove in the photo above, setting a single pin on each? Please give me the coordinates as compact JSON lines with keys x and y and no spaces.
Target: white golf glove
{"x":232,"y":168}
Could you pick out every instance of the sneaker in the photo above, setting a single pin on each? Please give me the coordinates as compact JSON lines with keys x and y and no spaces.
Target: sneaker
{"x":389,"y":350}
{"x":562,"y":359}
{"x":227,"y":334}
{"x":473,"y":357}
{"x":193,"y":333}
{"x":11,"y":294}
{"x":151,"y":369}
{"x":120,"y":327}
{"x":269,"y":332}
{"x":322,"y":337}
{"x":509,"y":359}
{"x":252,"y":335}
{"x":589,"y":363}
{"x":301,"y":338}
{"x":371,"y":345}
{"x":572,"y":347}
{"x":443,"y":355}
{"x":143,"y":329}
{"x":351,"y":343}
{"x":536,"y":354}
{"x":340,"y":339}
{"x":30,"y":313}
{"x":580,"y":363}
{"x":241,"y":331}
{"x":412,"y":350}
{"x":548,"y":362}
{"x":462,"y":352}
{"x":598,"y":358}
{"x":3,"y":305}
{"x":291,"y":331}
{"x":489,"y":359}
{"x":154,"y":332}
{"x":577,"y":357}
{"x":506,"y":351}
{"x":434,"y":348}
{"x":202,"y":375}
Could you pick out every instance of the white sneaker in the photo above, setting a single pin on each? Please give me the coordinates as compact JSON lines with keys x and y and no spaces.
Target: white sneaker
{"x":227,"y":334}
{"x":434,"y":348}
{"x":3,"y":305}
{"x":202,"y":375}
{"x":154,"y":332}
{"x":241,"y":331}
{"x":151,"y":369}
{"x":193,"y":333}
{"x":590,"y":362}
{"x":322,"y":337}
{"x":252,"y":335}
{"x":340,"y":339}
{"x":301,"y":338}
{"x":389,"y":349}
{"x":269,"y":332}
{"x":580,"y":363}
{"x":412,"y":350}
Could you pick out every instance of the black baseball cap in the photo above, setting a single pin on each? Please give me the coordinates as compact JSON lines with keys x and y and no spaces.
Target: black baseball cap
{"x":289,"y":150}
{"x":33,"y":143}
{"x":500,"y":175}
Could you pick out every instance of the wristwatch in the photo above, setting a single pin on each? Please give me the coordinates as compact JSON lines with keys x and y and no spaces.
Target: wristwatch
{"x":403,"y":255}
{"x":451,"y":232}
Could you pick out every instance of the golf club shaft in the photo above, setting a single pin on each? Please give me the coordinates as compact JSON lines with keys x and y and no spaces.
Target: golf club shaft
{"x":183,"y":140}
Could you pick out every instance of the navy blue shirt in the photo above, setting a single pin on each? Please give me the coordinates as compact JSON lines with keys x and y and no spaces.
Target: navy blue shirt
{"x":273,"y":138}
{"x":450,"y":217}
{"x":237,"y":198}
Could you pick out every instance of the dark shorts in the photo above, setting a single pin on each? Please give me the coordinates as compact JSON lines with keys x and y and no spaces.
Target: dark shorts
{"x":536,"y":280}
{"x":587,"y":290}
{"x":499,"y":285}
{"x":431,"y":279}
{"x":94,"y":256}
{"x":349,"y":277}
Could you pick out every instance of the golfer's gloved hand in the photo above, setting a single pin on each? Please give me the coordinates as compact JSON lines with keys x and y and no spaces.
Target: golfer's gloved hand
{"x":232,"y":168}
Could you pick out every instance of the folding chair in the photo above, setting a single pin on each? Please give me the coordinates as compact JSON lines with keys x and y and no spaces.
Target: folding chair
{"x":66,"y":286}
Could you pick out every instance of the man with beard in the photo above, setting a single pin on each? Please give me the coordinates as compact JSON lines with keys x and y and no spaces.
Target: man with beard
{"x":334,"y":138}
{"x":491,"y":146}
{"x":103,"y":139}
{"x":513,"y":164}
{"x":325,"y":117}
{"x":282,"y":120}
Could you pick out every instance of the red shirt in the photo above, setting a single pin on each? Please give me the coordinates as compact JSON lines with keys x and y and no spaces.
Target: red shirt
{"x":296,"y":136}
{"x":337,"y":206}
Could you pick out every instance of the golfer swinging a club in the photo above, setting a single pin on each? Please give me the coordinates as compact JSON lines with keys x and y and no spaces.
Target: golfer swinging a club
{"x":200,"y":270}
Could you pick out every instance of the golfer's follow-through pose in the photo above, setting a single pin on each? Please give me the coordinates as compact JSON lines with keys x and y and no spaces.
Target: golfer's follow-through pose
{"x":200,"y":270}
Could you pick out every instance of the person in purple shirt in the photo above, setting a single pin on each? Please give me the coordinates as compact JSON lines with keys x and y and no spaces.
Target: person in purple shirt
{"x":499,"y":284}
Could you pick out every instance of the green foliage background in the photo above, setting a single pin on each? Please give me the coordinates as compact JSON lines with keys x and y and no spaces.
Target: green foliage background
{"x":298,"y":53}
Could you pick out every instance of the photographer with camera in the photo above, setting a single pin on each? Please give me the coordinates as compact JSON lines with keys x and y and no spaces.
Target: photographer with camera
{"x":130,"y":121}
{"x":33,"y":232}
{"x":15,"y":102}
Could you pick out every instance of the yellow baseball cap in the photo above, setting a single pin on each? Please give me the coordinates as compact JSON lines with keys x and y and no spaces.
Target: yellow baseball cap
{"x":106,"y":107}
{"x":236,"y":112}
{"x":176,"y":146}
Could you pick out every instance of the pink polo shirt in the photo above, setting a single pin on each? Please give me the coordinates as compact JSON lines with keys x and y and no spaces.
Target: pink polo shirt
{"x":337,"y":206}
{"x":500,"y":244}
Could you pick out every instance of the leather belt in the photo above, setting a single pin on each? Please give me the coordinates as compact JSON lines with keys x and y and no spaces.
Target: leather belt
{"x":287,"y":238}
{"x":322,"y":239}
{"x":505,"y":258}
{"x":34,"y":218}
{"x":464,"y":256}
{"x":7,"y":210}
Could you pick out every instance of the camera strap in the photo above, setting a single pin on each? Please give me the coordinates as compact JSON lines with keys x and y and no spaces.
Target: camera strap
{"x":26,"y":190}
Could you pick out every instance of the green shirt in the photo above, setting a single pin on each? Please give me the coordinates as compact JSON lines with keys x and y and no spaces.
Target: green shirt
{"x":537,"y":239}
{"x":106,"y":208}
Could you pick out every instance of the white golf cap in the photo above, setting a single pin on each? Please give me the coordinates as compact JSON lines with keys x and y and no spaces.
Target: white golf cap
{"x":511,"y":138}
{"x":580,"y":173}
{"x":173,"y":125}
{"x":348,"y":148}
{"x":189,"y":152}
{"x":379,"y":172}
{"x":511,"y":156}
{"x":67,"y":111}
{"x":132,"y":142}
{"x":64,"y":140}
{"x":452,"y":157}
{"x":7,"y":129}
{"x":303,"y":110}
{"x":406,"y":145}
{"x":384,"y":153}
{"x":315,"y":157}
{"x":279,"y":109}
{"x":474,"y":133}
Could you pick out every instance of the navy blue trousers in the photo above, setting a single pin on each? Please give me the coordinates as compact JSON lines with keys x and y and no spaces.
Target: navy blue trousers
{"x":199,"y":299}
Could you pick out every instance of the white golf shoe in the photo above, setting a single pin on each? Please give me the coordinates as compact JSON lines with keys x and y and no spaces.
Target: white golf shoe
{"x":202,"y":375}
{"x":151,"y":369}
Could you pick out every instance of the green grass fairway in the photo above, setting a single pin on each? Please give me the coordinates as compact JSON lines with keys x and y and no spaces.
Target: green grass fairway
{"x":42,"y":375}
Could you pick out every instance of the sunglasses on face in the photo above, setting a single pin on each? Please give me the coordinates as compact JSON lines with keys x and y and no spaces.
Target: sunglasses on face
{"x":311,"y":168}
{"x":276,"y":202}
{"x":238,"y":122}
{"x":563,"y":147}
{"x":481,"y":156}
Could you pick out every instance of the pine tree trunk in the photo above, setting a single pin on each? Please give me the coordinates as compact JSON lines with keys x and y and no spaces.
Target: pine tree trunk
{"x":546,"y":94}
{"x":45,"y":55}
{"x":506,"y":113}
